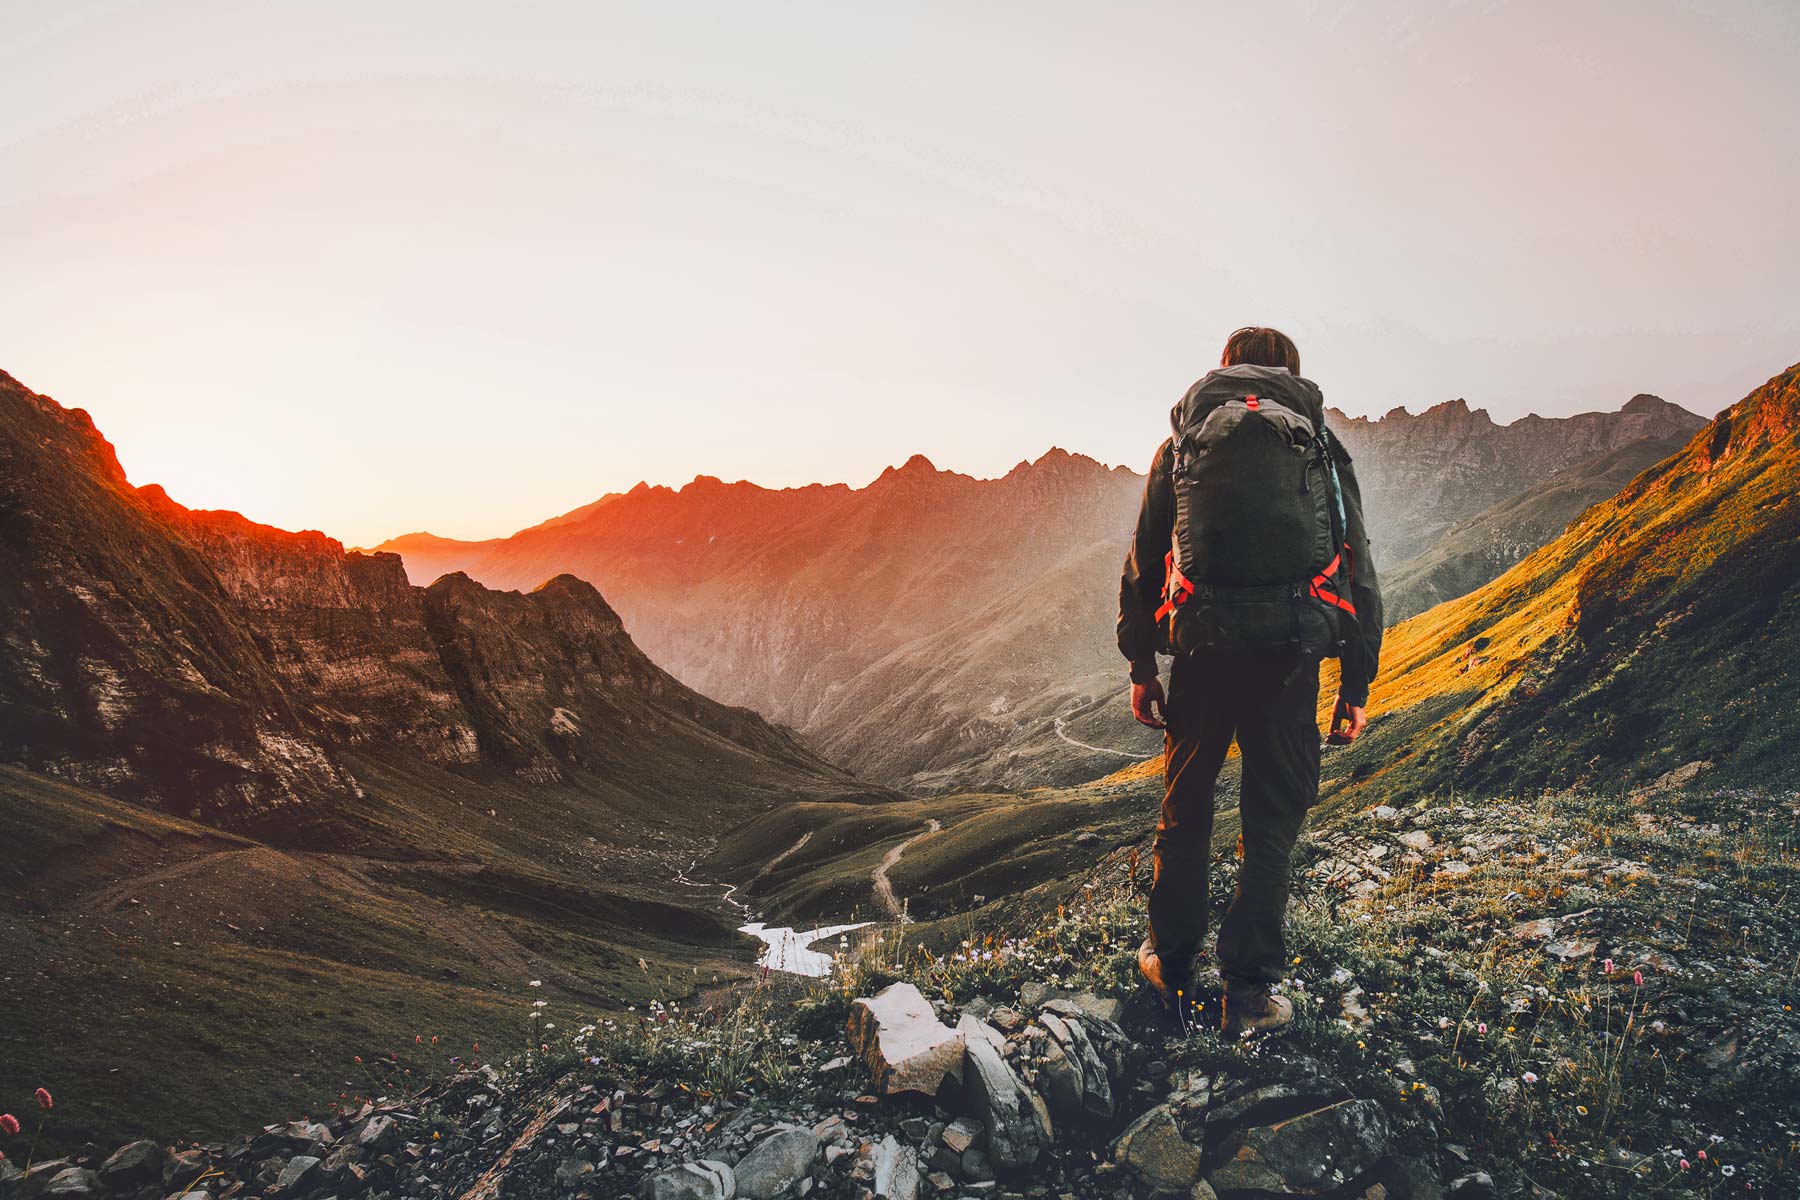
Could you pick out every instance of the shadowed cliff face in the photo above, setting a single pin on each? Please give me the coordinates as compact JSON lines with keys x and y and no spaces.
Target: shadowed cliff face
{"x":220,"y":668}
{"x":124,"y":662}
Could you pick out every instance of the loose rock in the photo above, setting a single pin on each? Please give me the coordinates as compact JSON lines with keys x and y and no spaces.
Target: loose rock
{"x":906,"y":1047}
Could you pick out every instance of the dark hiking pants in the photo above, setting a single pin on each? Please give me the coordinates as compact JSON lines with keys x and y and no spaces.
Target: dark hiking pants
{"x":1272,"y":710}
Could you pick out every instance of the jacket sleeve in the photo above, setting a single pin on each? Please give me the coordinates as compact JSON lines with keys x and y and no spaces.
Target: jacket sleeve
{"x":1141,"y":584}
{"x":1362,"y":653}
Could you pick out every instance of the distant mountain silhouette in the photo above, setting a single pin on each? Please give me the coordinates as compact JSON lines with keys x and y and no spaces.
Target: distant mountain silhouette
{"x":941,"y":631}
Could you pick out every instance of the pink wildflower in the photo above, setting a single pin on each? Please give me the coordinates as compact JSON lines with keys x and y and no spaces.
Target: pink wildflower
{"x":1607,"y":966}
{"x":1702,"y":1156}
{"x":9,"y":1125}
{"x":1637,"y":977}
{"x":1481,"y":1027}
{"x":1684,"y":1164}
{"x":44,"y":1100}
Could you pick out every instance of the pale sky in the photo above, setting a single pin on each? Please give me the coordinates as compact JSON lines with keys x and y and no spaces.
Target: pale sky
{"x":371,"y":268}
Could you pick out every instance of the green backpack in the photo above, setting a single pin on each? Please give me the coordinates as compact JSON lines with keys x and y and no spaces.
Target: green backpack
{"x":1257,"y":558}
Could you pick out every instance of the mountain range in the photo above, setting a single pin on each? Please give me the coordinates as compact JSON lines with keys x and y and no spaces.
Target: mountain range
{"x":939,"y":632}
{"x":269,"y":801}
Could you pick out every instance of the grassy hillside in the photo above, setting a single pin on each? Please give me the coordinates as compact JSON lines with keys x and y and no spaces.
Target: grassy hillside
{"x":161,"y":970}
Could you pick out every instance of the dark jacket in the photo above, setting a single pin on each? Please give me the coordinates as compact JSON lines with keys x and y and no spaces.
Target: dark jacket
{"x":1141,"y":586}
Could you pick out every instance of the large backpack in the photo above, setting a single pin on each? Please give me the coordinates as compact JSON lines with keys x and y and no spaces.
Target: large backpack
{"x":1257,"y":557}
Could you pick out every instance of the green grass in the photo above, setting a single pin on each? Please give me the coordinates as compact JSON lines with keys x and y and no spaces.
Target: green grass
{"x":161,"y":1019}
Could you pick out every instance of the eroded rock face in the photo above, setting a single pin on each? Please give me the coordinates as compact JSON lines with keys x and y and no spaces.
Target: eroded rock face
{"x":1015,"y":1117}
{"x":1076,"y":1075}
{"x":1305,"y":1155}
{"x":906,"y":1047}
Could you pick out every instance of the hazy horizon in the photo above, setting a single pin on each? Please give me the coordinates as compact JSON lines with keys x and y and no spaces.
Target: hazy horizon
{"x":436,"y":267}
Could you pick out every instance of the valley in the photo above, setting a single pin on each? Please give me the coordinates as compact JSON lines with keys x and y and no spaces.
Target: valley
{"x":416,"y":812}
{"x":974,"y":616}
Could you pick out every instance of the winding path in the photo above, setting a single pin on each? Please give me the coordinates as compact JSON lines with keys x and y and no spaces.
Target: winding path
{"x":884,"y":888}
{"x":1062,"y":733}
{"x":782,"y":857}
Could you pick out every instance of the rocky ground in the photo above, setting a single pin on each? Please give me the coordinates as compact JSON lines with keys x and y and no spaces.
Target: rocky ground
{"x":1567,"y":996}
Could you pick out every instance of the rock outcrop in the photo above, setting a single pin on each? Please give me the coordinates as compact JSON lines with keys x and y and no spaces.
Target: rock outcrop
{"x":225,"y":670}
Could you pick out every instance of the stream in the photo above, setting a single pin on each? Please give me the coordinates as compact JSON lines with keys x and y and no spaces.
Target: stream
{"x":784,"y":947}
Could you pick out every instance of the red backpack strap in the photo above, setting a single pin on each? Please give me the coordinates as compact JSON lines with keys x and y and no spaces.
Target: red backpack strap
{"x":1324,"y":587}
{"x":1179,"y":589}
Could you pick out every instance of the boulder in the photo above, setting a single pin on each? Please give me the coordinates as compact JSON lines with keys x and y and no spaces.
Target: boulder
{"x":379,"y":1133}
{"x":301,"y":1172}
{"x":1017,"y":1123}
{"x":707,"y":1179}
{"x":132,"y":1165}
{"x":1306,"y":1155}
{"x":904,"y":1044}
{"x":37,"y":1179}
{"x":776,"y":1162}
{"x":75,"y":1183}
{"x":1154,"y":1147}
{"x":184,"y":1167}
{"x":896,"y":1171}
{"x":293,"y":1137}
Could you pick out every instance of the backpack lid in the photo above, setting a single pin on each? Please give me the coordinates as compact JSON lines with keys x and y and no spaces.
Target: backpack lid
{"x":1234,"y":383}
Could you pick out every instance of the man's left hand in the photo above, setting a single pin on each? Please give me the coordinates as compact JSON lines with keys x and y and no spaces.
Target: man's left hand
{"x":1347,"y":722}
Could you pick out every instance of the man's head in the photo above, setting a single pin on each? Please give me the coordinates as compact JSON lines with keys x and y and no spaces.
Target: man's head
{"x":1258,"y":346}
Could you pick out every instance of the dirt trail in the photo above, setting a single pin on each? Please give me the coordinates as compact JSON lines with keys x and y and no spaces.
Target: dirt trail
{"x":884,"y":888}
{"x":782,"y":857}
{"x":1062,"y":733}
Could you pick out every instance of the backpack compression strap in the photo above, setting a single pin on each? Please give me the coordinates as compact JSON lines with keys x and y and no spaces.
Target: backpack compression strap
{"x":1181,"y":588}
{"x":1323,"y":587}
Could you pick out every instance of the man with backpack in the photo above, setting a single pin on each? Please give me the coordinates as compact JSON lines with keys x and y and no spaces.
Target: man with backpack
{"x":1250,"y":564}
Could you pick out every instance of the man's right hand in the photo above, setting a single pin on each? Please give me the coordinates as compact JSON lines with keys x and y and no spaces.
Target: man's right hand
{"x":1148,"y":704}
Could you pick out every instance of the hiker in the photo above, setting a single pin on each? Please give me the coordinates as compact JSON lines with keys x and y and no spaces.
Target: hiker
{"x":1250,"y":564}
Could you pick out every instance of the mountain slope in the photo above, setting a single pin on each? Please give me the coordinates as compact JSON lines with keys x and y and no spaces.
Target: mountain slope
{"x":1661,"y":629}
{"x":248,"y":775}
{"x":1468,"y":555}
{"x":938,"y":631}
{"x":1422,"y":474}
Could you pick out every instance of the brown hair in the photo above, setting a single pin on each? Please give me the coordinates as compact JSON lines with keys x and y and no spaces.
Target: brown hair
{"x":1259,"y":346}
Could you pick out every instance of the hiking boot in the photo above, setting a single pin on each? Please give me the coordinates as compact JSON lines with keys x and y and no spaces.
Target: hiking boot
{"x":1150,"y":966}
{"x":1253,"y":1010}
